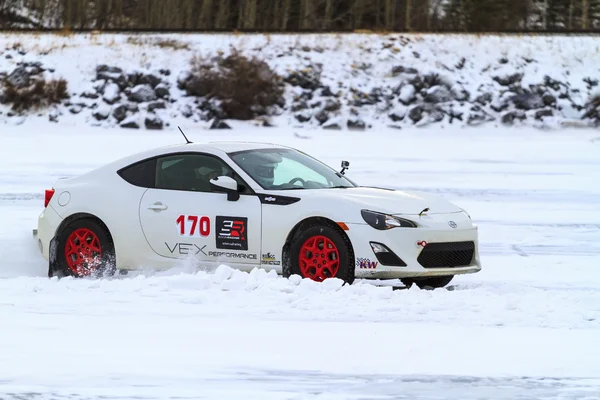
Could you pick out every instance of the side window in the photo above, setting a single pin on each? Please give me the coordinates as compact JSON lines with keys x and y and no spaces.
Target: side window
{"x":140,"y":174}
{"x":191,"y":172}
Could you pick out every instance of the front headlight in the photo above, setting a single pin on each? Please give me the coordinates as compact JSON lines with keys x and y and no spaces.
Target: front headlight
{"x":465,"y":211}
{"x":382,"y":221}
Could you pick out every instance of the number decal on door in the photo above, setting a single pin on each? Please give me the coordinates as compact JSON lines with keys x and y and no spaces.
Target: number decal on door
{"x":193,"y":225}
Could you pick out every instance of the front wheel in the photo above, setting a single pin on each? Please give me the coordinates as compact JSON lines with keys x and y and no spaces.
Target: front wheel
{"x":427,"y":283}
{"x":319,"y":252}
{"x":85,"y":249}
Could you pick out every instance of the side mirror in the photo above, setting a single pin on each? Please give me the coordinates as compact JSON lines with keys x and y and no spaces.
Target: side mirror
{"x":226,"y":184}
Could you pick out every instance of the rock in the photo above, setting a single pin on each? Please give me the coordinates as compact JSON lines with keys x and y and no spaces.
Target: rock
{"x":89,"y":95}
{"x":459,"y":93}
{"x":590,"y":82}
{"x":186,"y":110}
{"x":303,"y":116}
{"x":508,"y":80}
{"x":219,"y":124}
{"x":528,"y":101}
{"x":510,"y":117}
{"x":438,"y":94}
{"x":307,"y":78}
{"x":397,"y":116}
{"x":132,"y":107}
{"x":101,"y":113}
{"x":326,"y":92}
{"x":165,"y":72}
{"x":120,"y":112}
{"x":407,"y":94}
{"x":552,"y":83}
{"x":53,"y":116}
{"x":183,"y":78}
{"x":153,"y":122}
{"x":162,"y":90}
{"x":356,"y":124}
{"x":332,"y":105}
{"x":19,"y":78}
{"x":130,"y":123}
{"x":142,"y":94}
{"x":484,"y":98}
{"x":416,"y":114}
{"x":111,"y":93}
{"x":155,"y":105}
{"x":9,"y":57}
{"x":549,"y":99}
{"x":149,"y":79}
{"x":117,"y":78}
{"x":332,"y":126}
{"x":106,"y":68}
{"x":540,"y":114}
{"x":399,"y":69}
{"x":302,"y":105}
{"x":322,"y":117}
{"x":75,"y":108}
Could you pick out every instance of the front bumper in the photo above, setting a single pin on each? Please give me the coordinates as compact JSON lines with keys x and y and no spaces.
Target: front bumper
{"x":435,"y":249}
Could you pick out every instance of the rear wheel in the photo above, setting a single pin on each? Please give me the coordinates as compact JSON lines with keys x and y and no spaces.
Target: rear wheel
{"x":85,"y":249}
{"x":321,"y":251}
{"x":426,"y":283}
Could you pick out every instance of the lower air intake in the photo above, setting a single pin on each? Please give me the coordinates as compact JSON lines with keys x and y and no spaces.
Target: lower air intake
{"x":447,"y":255}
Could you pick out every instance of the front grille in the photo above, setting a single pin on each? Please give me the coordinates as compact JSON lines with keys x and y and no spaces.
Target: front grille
{"x":447,"y":255}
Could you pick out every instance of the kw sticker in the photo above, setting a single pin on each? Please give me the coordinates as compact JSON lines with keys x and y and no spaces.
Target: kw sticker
{"x":365,"y":263}
{"x":231,"y":233}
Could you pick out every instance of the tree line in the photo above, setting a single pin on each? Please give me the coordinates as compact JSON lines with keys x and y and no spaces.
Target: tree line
{"x":304,"y":15}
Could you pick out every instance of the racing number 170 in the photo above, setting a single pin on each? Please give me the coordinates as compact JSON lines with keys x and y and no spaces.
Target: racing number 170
{"x":190,"y":224}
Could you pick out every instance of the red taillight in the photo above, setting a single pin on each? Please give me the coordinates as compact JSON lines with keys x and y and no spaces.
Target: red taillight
{"x":48,"y":197}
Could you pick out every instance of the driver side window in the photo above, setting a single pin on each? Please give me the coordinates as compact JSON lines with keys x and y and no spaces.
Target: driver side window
{"x":192,"y":172}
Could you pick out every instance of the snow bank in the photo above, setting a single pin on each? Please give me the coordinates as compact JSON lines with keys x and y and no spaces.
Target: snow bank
{"x":350,"y":81}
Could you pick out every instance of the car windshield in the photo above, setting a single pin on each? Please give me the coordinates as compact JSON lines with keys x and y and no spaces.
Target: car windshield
{"x":288,"y":169}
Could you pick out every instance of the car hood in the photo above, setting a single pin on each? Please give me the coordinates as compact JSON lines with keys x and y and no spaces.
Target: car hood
{"x":389,"y":201}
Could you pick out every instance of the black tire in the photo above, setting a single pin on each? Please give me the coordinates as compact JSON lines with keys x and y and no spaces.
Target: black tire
{"x":345,"y":270}
{"x":429,"y":283}
{"x":104,"y":265}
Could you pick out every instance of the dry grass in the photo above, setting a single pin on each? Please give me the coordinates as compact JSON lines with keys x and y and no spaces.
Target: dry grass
{"x":172,"y":44}
{"x":247,"y":87}
{"x":39,"y":94}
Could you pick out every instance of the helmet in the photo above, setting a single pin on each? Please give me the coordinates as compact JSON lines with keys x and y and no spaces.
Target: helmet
{"x":261,"y":166}
{"x":264,"y":174}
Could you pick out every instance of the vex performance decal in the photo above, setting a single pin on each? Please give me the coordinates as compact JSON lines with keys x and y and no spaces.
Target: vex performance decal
{"x":220,"y":254}
{"x":231,"y":233}
{"x":185,"y":249}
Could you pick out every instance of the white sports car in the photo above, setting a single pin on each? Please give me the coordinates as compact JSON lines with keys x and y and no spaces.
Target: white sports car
{"x":249,"y":205}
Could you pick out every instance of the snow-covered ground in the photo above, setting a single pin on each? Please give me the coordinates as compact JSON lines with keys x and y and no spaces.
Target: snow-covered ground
{"x":526,"y":327}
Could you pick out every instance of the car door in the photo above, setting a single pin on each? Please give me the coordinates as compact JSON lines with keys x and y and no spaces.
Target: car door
{"x":183,"y":217}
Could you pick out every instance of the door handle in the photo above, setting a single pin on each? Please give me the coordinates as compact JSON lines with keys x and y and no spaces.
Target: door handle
{"x":157,"y":207}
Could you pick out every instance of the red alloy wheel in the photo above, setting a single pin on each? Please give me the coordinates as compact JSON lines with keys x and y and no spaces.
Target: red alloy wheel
{"x":83,"y":251}
{"x":319,"y":259}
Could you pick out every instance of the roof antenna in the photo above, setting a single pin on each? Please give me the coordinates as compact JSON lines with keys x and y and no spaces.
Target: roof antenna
{"x":186,"y":139}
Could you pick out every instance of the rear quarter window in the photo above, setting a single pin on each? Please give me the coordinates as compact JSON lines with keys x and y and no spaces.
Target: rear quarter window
{"x":140,"y":174}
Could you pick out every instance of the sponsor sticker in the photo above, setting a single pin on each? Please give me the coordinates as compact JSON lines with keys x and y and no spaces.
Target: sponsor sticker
{"x":231,"y":233}
{"x":365,"y":263}
{"x":232,"y":255}
{"x":269,"y":259}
